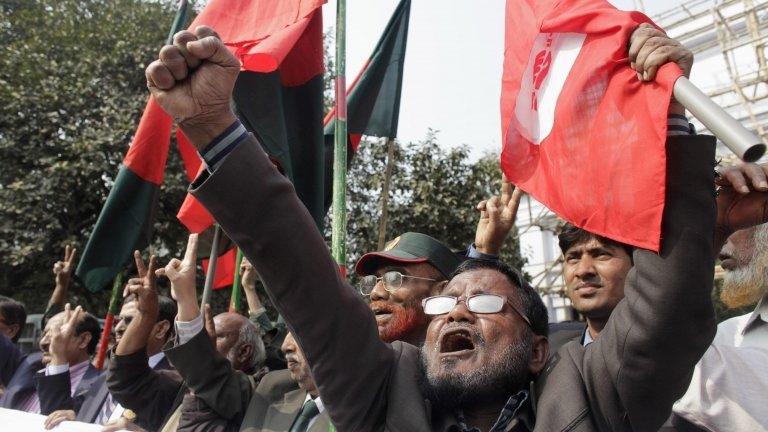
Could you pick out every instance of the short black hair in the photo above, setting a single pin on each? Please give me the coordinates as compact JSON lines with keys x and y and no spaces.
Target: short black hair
{"x":572,"y":235}
{"x":168,"y":311}
{"x":89,"y":324}
{"x":13,"y":312}
{"x":532,"y":305}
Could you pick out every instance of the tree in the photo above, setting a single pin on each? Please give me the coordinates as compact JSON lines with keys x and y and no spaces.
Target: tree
{"x":73,"y":88}
{"x":433,"y":191}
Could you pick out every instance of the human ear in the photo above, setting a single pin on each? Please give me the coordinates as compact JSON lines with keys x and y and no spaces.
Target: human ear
{"x":539,"y":354}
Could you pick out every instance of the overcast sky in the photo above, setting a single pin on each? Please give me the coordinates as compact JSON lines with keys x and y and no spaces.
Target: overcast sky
{"x":453,"y":63}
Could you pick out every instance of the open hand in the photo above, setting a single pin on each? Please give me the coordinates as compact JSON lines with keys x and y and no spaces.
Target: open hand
{"x":56,"y":417}
{"x":742,"y":201}
{"x":497,"y":217}
{"x":62,"y":270}
{"x":64,"y":338}
{"x":144,"y":287}
{"x":192,"y":80}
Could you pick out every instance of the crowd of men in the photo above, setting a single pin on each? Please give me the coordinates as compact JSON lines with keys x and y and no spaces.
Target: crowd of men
{"x":431,"y":339}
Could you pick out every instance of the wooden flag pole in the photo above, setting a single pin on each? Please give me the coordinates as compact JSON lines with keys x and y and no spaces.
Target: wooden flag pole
{"x":385,"y":192}
{"x":109,"y":321}
{"x":339,"y":226}
{"x":213,"y":259}
{"x":234,"y":302}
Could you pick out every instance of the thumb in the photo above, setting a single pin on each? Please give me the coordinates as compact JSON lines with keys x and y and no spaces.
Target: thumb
{"x":212,"y":49}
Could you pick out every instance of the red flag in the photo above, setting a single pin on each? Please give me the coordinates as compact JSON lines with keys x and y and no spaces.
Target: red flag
{"x":581,"y":133}
{"x":265,"y":35}
{"x":192,"y":214}
{"x":225,"y":269}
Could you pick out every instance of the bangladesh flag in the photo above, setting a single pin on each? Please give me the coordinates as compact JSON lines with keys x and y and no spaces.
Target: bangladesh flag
{"x":125,"y":221}
{"x":279,"y":92}
{"x":373,"y":98}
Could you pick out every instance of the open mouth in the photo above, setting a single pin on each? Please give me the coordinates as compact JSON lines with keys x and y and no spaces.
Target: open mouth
{"x":454,"y":341}
{"x":381,"y":311}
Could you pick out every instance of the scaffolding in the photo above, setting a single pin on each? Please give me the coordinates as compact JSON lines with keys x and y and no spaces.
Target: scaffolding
{"x":728,"y":39}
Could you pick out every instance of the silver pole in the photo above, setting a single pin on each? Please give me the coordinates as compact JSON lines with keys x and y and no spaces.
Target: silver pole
{"x":213,"y":258}
{"x":740,"y":140}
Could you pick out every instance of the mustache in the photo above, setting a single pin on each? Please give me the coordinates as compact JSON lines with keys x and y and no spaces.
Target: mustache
{"x":383,"y":306}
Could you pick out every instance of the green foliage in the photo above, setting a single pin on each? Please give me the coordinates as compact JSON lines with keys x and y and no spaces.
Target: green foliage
{"x":73,"y":89}
{"x":433,"y":190}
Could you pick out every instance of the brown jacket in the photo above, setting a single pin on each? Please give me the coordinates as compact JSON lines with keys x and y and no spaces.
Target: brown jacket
{"x":626,"y":380}
{"x":271,"y":407}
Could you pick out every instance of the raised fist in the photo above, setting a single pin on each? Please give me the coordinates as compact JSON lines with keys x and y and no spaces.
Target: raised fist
{"x":192,"y":80}
{"x":742,"y":200}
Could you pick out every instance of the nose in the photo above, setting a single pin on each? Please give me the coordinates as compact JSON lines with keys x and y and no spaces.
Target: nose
{"x":460,"y":313}
{"x":289,"y":345}
{"x":378,"y":292}
{"x":585,"y":268}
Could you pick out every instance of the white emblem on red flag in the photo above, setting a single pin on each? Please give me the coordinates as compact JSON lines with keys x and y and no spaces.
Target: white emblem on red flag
{"x":550,"y":62}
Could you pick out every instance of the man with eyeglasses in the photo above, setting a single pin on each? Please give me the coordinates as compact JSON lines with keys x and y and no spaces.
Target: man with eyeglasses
{"x":414,"y":266}
{"x":626,"y":380}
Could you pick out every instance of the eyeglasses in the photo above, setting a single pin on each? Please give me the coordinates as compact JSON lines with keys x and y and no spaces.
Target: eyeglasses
{"x":393,"y":281}
{"x":478,"y":303}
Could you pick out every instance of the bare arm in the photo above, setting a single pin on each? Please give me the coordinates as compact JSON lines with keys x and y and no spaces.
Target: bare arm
{"x":62,"y":272}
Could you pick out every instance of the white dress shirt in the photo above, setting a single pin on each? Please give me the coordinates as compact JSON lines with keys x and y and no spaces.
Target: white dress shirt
{"x":729,"y":389}
{"x":320,"y":409}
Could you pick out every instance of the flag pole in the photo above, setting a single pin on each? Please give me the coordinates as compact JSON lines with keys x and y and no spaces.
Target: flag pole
{"x":109,"y":321}
{"x":339,"y":226}
{"x":385,"y":192}
{"x":234,"y":304}
{"x":740,"y":140}
{"x":213,"y":259}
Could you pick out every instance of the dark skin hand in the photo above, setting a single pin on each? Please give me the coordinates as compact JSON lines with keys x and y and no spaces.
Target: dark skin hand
{"x":144,"y":288}
{"x":742,"y":200}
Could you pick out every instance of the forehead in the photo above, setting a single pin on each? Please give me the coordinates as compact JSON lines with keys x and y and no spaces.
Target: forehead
{"x":55,"y":321}
{"x":128,"y":307}
{"x":226,"y":322}
{"x":479,"y":281}
{"x":592,"y":243}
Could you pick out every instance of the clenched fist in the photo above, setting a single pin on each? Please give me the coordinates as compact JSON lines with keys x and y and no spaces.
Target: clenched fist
{"x":192,"y":80}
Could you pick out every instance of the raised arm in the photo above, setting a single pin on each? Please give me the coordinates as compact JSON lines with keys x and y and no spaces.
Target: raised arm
{"x":642,"y":361}
{"x":209,"y":375}
{"x":259,"y":210}
{"x":130,"y":380}
{"x":62,"y":274}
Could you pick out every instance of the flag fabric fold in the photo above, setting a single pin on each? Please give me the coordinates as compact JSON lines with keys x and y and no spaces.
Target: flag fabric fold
{"x":373,"y":98}
{"x":125,"y":221}
{"x":580,"y":132}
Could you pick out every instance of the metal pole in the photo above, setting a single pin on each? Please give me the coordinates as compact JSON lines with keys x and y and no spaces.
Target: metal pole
{"x":385,"y":193}
{"x":339,"y":226}
{"x":178,"y":21}
{"x":234,"y":303}
{"x":213,"y":258}
{"x":740,"y":140}
{"x":109,"y":321}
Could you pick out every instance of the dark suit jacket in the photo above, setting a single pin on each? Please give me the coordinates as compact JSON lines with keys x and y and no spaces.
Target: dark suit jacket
{"x":55,"y":393}
{"x":97,"y":395}
{"x":564,"y":332}
{"x":272,"y":406}
{"x":626,"y":380}
{"x":152,"y":394}
{"x":10,"y":359}
{"x":22,"y":384}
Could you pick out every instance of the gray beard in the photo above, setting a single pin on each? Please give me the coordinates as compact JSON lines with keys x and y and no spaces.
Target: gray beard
{"x":744,"y":286}
{"x":497,"y":380}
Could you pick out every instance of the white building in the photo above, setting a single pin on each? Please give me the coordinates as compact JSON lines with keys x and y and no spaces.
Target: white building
{"x":728,"y":39}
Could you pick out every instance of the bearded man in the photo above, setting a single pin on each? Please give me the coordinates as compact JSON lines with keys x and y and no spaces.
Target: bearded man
{"x":626,"y":380}
{"x":731,"y":379}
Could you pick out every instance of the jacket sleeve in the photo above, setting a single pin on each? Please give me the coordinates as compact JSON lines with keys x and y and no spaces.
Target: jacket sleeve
{"x":54,"y":392}
{"x":10,"y":358}
{"x":643,"y":359}
{"x":211,"y":377}
{"x":150,"y":394}
{"x":258,"y":208}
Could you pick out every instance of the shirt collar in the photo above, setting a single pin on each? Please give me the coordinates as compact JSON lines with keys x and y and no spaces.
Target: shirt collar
{"x":155,"y":359}
{"x":587,"y":339}
{"x":760,"y":313}
{"x":515,"y":404}
{"x":318,"y":402}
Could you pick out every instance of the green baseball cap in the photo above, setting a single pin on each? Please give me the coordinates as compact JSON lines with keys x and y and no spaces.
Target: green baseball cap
{"x":411,"y":247}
